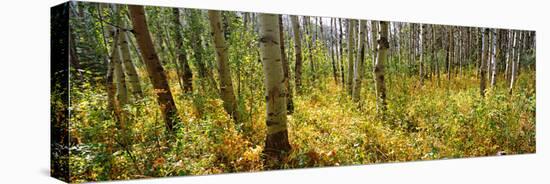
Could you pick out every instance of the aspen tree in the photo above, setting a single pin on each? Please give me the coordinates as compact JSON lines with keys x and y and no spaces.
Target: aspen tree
{"x":341,"y":52}
{"x":450,"y":51}
{"x":119,"y":77}
{"x":423,"y":38}
{"x":494,"y":58}
{"x":331,"y":48}
{"x":298,"y":52}
{"x":195,"y":25}
{"x":434,"y":57}
{"x":484,"y":58}
{"x":310,"y":46}
{"x":226,"y":84}
{"x":351,"y":41}
{"x":374,"y":39}
{"x":359,"y":62}
{"x":129,"y":67}
{"x":110,"y":78}
{"x":286,"y":68}
{"x":382,"y":53}
{"x":154,"y":68}
{"x":509,"y":41}
{"x":276,"y":142}
{"x":186,"y":74}
{"x":515,"y":60}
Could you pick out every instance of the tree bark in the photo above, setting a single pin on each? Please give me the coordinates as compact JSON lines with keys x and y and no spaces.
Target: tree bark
{"x":196,"y":42}
{"x":423,"y":46}
{"x":341,"y":52}
{"x":435,"y":58}
{"x":119,"y":77}
{"x":111,"y":87}
{"x":186,"y":77}
{"x":359,"y":62}
{"x":298,"y":52}
{"x":515,"y":60}
{"x":276,"y":144}
{"x":286,"y":68}
{"x":484,"y":57}
{"x":351,"y":44}
{"x":494,"y":59}
{"x":374,"y":39}
{"x":383,"y":46}
{"x":129,"y":67}
{"x":154,"y":68}
{"x":226,"y":83}
{"x":450,"y":52}
{"x":310,"y":44}
{"x":331,"y":47}
{"x":508,"y":51}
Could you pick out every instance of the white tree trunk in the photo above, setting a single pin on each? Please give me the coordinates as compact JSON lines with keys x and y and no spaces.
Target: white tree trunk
{"x":129,"y":67}
{"x":484,"y":59}
{"x":494,"y":59}
{"x":276,"y":120}
{"x":515,"y":60}
{"x":374,"y":39}
{"x":298,"y":52}
{"x":351,"y":28}
{"x":359,"y":62}
{"x":383,"y":46}
{"x":119,"y":77}
{"x":226,"y":84}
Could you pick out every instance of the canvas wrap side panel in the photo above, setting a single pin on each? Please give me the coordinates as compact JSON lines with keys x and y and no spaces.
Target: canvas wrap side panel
{"x":59,"y":86}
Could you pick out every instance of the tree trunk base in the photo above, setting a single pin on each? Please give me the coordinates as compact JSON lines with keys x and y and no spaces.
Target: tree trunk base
{"x":276,"y":149}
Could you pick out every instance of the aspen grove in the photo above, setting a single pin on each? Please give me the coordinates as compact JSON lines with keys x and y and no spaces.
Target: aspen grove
{"x":159,"y":91}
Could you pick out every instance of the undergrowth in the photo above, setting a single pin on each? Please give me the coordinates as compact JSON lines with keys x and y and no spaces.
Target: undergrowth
{"x":438,"y":120}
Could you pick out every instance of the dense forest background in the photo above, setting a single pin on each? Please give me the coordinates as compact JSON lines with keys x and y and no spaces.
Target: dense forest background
{"x":171,"y":91}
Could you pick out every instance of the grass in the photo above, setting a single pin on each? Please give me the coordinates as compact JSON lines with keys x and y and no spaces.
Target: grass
{"x":445,"y":119}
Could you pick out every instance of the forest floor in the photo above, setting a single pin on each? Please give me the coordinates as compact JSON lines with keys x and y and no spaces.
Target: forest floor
{"x":432,"y":121}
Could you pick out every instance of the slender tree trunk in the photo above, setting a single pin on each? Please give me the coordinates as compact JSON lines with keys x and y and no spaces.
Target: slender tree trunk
{"x":422,"y":36}
{"x":110,"y":78}
{"x":286,"y":68}
{"x":331,"y":48}
{"x":484,"y":57}
{"x":488,"y":51}
{"x":522,"y":48}
{"x":470,"y":45}
{"x":351,"y":25}
{"x":129,"y":67}
{"x":398,"y":42}
{"x":298,"y":52}
{"x":118,"y":72}
{"x":383,"y":46}
{"x":515,"y":60}
{"x":411,"y":47}
{"x":196,"y":43}
{"x":341,"y":48}
{"x":186,"y":76}
{"x":449,"y":53}
{"x":154,"y":68}
{"x":119,"y":77}
{"x":276,"y":144}
{"x":508,"y":51}
{"x":494,"y":59}
{"x":374,"y":39}
{"x":310,"y":41}
{"x":359,"y":62}
{"x":435,"y":59}
{"x":226,"y":83}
